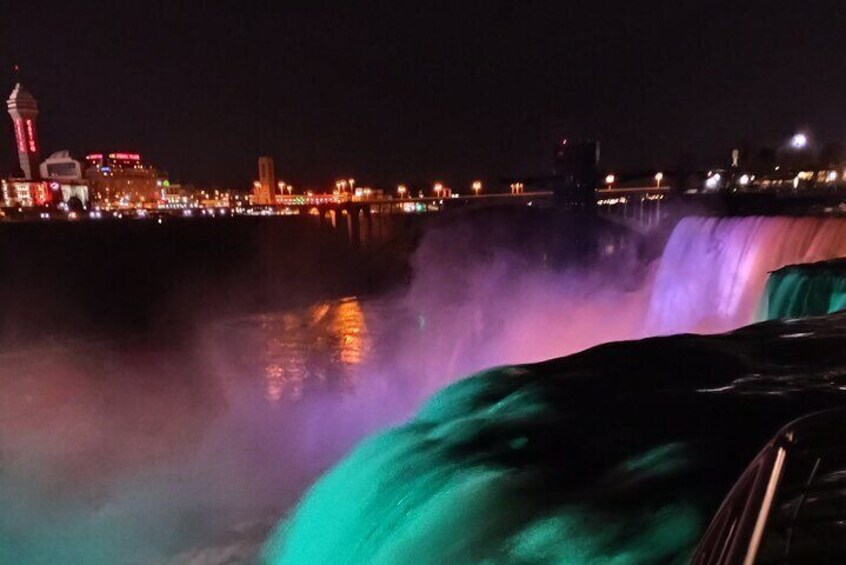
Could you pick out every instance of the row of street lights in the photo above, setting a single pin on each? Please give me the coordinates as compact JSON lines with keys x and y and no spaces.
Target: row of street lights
{"x":342,"y":185}
{"x":611,"y":179}
{"x":402,"y":190}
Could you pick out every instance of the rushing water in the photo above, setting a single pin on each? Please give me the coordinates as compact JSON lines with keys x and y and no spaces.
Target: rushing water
{"x":616,"y":455}
{"x":160,"y":451}
{"x":805,"y":290}
{"x":713,"y":271}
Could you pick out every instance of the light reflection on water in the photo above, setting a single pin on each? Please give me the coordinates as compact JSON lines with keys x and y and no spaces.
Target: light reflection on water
{"x":319,"y":347}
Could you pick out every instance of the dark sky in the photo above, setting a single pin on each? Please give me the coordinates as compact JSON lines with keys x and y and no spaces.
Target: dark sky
{"x":421,"y":91}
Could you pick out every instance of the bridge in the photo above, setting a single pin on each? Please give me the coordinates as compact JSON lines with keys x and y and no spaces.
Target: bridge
{"x":640,"y":208}
{"x":364,"y":220}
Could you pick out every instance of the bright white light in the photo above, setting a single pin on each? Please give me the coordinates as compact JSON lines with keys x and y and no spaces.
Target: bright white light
{"x":832,"y":176}
{"x":799,"y":141}
{"x":744,"y":180}
{"x":713,"y":181}
{"x":610,"y":179}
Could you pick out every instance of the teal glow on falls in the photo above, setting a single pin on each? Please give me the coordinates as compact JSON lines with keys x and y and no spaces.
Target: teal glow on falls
{"x":805,"y":290}
{"x":713,"y":271}
{"x":461,"y":483}
{"x":619,"y":454}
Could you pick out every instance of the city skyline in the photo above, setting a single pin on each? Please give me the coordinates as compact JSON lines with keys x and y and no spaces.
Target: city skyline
{"x":420,"y":96}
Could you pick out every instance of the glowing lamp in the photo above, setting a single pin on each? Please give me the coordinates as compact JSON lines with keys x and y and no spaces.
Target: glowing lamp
{"x":799,"y":141}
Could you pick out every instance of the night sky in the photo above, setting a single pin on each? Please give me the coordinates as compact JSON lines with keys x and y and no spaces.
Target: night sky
{"x":414,"y":92}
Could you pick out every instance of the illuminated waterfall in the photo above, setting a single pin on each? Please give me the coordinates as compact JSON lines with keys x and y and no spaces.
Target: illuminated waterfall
{"x":713,"y":271}
{"x":798,"y":291}
{"x":578,"y":460}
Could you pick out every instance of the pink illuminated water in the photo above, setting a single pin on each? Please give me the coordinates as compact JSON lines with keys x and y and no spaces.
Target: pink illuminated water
{"x":713,"y":271}
{"x":709,"y":279}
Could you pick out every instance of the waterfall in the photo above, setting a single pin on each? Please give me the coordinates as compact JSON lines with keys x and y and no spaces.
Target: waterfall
{"x":805,"y":290}
{"x":713,"y":271}
{"x":619,"y":453}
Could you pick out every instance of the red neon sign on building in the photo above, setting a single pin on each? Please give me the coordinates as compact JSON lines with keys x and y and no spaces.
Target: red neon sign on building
{"x":125,"y":156}
{"x":30,"y":130}
{"x":19,"y":134}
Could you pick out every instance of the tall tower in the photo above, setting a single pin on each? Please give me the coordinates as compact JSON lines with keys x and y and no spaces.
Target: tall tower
{"x":576,"y":174}
{"x":24,"y":112}
{"x":267,"y":181}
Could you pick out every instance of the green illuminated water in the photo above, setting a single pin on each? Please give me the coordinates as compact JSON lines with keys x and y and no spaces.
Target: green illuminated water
{"x":619,"y":454}
{"x":799,"y":291}
{"x":462,"y":483}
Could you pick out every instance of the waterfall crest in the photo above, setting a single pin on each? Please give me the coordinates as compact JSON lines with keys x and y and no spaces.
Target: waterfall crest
{"x":713,"y":271}
{"x":799,"y":291}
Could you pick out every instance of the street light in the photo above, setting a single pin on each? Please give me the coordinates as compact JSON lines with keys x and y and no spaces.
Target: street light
{"x":438,"y":189}
{"x":658,"y":178}
{"x":477,"y":187}
{"x":610,"y":179}
{"x":402,"y":190}
{"x":799,"y":141}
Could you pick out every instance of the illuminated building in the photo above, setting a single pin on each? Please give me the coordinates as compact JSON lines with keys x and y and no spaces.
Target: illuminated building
{"x":61,"y":167}
{"x":24,"y":112}
{"x":264,"y":189}
{"x":122,"y":178}
{"x":25,"y":193}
